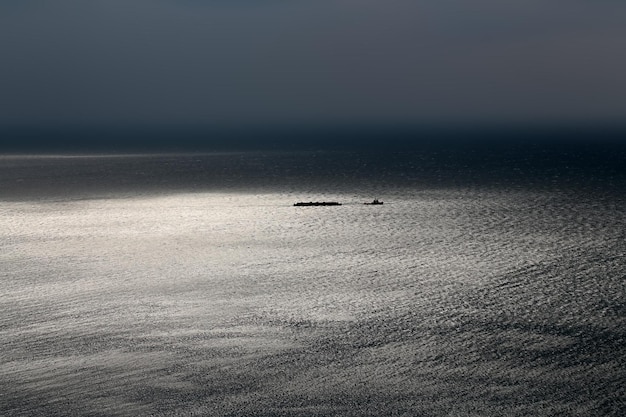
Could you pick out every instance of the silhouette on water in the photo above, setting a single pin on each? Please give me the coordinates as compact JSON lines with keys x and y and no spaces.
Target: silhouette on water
{"x":317,"y":203}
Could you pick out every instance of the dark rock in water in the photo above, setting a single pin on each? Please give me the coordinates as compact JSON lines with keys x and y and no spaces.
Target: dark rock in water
{"x":317,"y":203}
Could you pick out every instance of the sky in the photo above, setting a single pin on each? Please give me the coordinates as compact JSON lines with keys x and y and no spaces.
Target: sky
{"x":234,"y":62}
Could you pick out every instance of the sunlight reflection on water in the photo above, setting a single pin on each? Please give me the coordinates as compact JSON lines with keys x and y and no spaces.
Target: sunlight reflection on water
{"x":453,"y":301}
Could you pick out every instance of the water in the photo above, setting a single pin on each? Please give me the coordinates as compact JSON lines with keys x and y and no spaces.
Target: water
{"x":184,"y":285}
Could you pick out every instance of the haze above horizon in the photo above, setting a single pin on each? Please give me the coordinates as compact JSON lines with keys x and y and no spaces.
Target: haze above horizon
{"x":276,"y":62}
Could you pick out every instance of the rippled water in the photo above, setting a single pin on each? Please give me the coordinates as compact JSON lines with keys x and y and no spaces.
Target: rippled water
{"x":126,"y":298}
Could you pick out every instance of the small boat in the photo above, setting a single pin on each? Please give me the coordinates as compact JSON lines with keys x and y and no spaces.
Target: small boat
{"x":374,"y":203}
{"x":317,"y":203}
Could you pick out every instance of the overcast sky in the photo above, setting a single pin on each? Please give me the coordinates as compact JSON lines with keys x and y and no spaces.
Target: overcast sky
{"x":312,"y":61}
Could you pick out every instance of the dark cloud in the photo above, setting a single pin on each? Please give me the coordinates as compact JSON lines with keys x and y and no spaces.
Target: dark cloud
{"x":214,"y":61}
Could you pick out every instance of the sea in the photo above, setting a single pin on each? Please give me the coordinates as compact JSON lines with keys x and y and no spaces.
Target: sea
{"x":184,"y":282}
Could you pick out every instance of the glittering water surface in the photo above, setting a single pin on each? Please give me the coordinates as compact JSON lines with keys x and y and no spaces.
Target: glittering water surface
{"x":444,"y":301}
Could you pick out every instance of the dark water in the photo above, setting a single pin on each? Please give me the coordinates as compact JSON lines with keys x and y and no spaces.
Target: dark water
{"x":491,"y":282}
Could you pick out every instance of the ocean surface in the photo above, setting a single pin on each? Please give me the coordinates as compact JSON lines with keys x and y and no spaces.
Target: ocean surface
{"x":490,"y":283}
